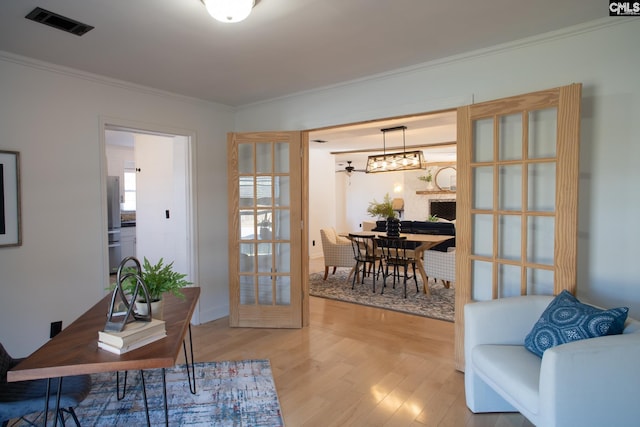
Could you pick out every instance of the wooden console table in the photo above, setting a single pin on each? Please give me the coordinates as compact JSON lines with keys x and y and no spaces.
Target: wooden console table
{"x":74,"y":351}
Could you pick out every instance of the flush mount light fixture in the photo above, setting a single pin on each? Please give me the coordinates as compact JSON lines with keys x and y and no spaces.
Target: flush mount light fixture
{"x":229,"y":10}
{"x":403,"y":161}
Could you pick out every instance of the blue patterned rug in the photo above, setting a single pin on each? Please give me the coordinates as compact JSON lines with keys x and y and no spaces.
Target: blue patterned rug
{"x":439,"y":305}
{"x":233,"y":393}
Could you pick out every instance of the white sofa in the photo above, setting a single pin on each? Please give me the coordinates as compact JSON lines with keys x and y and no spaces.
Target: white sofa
{"x":592,"y":382}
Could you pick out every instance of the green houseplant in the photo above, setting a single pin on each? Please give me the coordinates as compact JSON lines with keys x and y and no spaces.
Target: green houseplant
{"x":428,"y":178}
{"x":382,"y":209}
{"x":159,"y":278}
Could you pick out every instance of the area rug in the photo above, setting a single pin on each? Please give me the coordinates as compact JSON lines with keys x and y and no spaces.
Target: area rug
{"x":439,"y":305}
{"x":232,"y":393}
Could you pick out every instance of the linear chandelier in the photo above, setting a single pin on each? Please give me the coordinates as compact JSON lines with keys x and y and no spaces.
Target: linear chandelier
{"x":403,"y":161}
{"x":229,"y":10}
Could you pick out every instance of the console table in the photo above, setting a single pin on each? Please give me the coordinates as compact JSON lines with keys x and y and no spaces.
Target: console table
{"x":74,"y":351}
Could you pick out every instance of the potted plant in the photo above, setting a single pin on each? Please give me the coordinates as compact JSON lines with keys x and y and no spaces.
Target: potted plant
{"x":158,"y":278}
{"x":428,"y":178}
{"x":383,"y":209}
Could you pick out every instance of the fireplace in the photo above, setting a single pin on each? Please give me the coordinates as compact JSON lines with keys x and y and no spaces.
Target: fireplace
{"x":443,"y":208}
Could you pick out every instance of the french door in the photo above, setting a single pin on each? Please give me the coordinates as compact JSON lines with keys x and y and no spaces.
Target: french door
{"x":517,"y":210}
{"x":265,"y":230}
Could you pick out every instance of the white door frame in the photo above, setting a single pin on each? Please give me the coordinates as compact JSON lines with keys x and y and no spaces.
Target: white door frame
{"x":110,"y":123}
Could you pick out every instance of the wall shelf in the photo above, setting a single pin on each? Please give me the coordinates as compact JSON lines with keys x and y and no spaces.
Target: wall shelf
{"x":423,"y":192}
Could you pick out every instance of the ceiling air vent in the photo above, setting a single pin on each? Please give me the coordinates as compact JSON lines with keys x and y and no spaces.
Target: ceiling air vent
{"x":58,"y":21}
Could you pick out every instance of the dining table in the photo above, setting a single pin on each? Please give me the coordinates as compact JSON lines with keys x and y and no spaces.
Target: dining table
{"x":424,"y":241}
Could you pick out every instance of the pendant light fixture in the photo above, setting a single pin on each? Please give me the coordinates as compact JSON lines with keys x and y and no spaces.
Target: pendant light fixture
{"x":229,"y":10}
{"x":406,"y":160}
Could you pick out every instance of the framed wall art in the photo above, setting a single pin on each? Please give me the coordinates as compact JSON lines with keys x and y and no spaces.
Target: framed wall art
{"x":10,"y":232}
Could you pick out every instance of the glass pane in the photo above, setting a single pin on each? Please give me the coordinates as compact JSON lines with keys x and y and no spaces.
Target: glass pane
{"x":539,"y":282}
{"x":542,"y":187}
{"x":247,"y":230}
{"x":263,"y":184}
{"x":482,"y":235}
{"x":510,"y":187}
{"x":282,"y":225}
{"x":540,"y":239}
{"x":282,"y":191}
{"x":483,"y":140}
{"x":263,"y":158}
{"x":543,"y":125}
{"x":283,"y":257}
{"x":283,"y":290}
{"x":508,"y":281}
{"x":482,"y":281}
{"x":265,"y":264}
{"x":509,"y":235}
{"x":265,"y":290}
{"x":245,"y":158}
{"x":483,"y":187}
{"x":265,"y":224}
{"x":282,"y":157}
{"x":247,"y":290}
{"x":246,"y":191}
{"x":510,"y":137}
{"x":247,"y":258}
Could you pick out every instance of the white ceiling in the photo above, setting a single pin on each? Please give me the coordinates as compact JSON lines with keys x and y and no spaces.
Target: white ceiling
{"x":284,"y":47}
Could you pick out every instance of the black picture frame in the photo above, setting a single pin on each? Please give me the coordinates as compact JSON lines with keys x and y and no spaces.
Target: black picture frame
{"x":10,"y":221}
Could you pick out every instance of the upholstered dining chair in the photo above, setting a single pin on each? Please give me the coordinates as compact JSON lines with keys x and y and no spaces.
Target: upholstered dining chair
{"x":21,"y":398}
{"x":337,"y":251}
{"x":441,"y":265}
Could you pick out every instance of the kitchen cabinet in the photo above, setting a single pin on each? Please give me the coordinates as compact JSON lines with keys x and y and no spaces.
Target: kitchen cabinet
{"x":128,"y":241}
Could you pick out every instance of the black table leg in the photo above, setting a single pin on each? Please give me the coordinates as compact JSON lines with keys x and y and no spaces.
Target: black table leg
{"x":190,"y":373}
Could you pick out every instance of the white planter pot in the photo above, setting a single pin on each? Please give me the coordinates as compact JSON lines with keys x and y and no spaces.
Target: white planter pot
{"x":157,"y":309}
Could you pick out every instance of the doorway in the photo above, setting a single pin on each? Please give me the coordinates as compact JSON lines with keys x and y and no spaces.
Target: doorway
{"x":156,"y":193}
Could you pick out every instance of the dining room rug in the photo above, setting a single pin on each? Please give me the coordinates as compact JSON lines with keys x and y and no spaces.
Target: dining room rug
{"x":439,"y":305}
{"x":230,"y":393}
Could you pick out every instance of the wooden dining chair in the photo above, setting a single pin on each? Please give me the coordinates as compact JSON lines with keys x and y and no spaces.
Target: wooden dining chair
{"x":398,"y":254}
{"x":364,"y":253}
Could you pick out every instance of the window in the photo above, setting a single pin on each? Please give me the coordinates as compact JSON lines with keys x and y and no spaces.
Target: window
{"x":129,"y":201}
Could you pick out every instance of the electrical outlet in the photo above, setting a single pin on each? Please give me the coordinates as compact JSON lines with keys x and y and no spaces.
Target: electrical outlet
{"x":56,"y":327}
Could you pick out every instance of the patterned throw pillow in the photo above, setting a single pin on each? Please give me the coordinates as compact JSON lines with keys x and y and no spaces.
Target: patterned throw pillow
{"x":566,"y":319}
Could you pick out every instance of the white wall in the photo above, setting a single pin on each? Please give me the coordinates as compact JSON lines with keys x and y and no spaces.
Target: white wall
{"x":603,"y":56}
{"x":52,"y":117}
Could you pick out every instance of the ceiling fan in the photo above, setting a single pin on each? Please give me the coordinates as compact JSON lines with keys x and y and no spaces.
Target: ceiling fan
{"x":350,"y":169}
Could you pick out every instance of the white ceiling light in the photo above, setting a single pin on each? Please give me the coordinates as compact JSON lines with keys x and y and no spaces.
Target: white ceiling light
{"x":229,"y":10}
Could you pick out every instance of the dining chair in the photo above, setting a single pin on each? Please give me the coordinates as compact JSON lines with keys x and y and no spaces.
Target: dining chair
{"x":21,"y":398}
{"x":441,"y":265}
{"x":336,"y":250}
{"x":398,"y":253}
{"x":364,"y":253}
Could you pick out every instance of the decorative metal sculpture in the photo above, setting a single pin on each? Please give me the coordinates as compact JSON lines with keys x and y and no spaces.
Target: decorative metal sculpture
{"x":140,"y":289}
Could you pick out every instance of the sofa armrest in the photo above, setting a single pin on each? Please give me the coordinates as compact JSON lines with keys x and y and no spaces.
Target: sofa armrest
{"x":596,"y":380}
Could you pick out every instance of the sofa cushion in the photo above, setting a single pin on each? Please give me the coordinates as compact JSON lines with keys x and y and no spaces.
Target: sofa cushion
{"x":512,"y":371}
{"x":566,"y":319}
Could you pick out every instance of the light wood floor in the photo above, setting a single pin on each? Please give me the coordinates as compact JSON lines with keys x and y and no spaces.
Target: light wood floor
{"x":356,"y":366}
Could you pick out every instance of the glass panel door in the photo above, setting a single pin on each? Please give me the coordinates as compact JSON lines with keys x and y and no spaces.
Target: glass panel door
{"x":516,"y":232}
{"x":264,"y":244}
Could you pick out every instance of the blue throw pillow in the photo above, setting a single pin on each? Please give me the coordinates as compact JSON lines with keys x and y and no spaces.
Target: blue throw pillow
{"x":566,"y":319}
